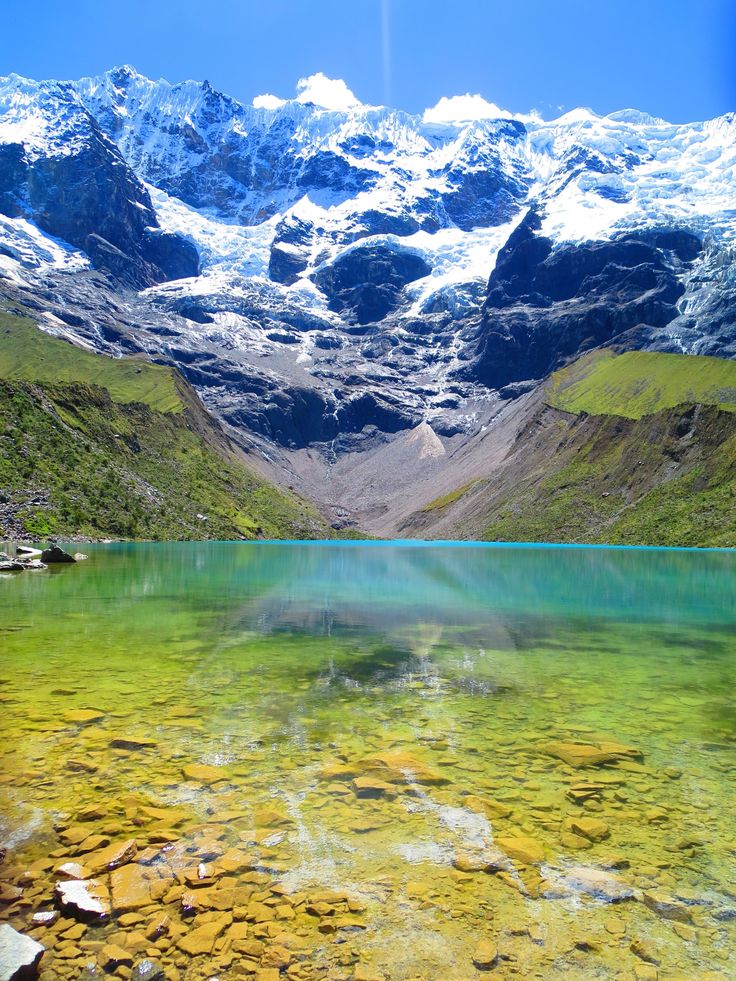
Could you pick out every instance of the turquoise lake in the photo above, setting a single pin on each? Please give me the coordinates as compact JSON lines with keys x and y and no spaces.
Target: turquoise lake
{"x":374,"y":760}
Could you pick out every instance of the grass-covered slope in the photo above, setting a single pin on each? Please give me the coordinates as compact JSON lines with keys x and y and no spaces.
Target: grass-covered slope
{"x":619,"y":475}
{"x":28,"y":354}
{"x":121,"y":448}
{"x":640,"y":383}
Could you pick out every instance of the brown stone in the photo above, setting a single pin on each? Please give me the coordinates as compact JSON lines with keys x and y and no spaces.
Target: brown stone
{"x":83,"y":717}
{"x":485,"y":955}
{"x":486,"y":806}
{"x":370,"y":787}
{"x":522,"y":849}
{"x":591,"y":828}
{"x":581,"y":755}
{"x":130,"y":888}
{"x":202,"y":939}
{"x":645,"y":950}
{"x":112,"y":957}
{"x":111,"y":857}
{"x":402,"y":767}
{"x":203,"y":773}
{"x":667,"y":907}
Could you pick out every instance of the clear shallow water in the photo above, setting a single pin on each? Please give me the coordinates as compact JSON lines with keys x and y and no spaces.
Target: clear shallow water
{"x":432,"y":675}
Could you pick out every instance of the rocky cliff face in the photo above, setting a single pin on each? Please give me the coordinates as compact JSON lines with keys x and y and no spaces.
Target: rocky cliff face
{"x":329,"y":273}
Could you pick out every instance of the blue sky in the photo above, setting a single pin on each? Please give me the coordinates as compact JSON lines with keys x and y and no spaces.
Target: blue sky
{"x":673,"y":58}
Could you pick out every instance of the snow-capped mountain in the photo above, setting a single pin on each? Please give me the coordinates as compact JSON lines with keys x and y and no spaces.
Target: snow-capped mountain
{"x":326,"y":271}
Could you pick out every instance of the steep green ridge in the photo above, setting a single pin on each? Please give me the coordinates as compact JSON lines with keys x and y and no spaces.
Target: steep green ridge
{"x":28,"y":354}
{"x":665,"y":478}
{"x":640,"y":383}
{"x":76,"y":460}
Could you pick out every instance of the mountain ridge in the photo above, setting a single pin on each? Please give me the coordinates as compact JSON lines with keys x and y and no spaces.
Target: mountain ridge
{"x":332,"y":280}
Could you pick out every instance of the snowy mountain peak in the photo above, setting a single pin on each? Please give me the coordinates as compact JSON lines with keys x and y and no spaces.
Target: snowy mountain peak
{"x":360,"y":248}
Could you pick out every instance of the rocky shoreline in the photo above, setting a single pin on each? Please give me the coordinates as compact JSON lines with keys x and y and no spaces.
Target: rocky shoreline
{"x":32,"y":559}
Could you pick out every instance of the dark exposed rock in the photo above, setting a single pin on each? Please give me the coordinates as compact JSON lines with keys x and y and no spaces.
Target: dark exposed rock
{"x":56,"y":554}
{"x":364,"y":284}
{"x":546,"y":304}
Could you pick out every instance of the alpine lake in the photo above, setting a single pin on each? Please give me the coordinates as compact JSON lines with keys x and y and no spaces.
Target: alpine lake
{"x":369,"y":761}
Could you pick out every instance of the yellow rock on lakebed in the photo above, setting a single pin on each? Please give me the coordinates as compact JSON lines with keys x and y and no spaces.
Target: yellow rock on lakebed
{"x":581,"y":755}
{"x":203,"y":773}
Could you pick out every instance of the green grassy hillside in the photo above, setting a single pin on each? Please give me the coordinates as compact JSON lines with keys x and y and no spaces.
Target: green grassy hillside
{"x":640,"y":383}
{"x":643,"y":452}
{"x":28,"y":354}
{"x":137,"y":457}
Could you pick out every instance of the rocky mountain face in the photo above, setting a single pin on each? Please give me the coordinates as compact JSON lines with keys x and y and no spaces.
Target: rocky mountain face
{"x":331,"y":275}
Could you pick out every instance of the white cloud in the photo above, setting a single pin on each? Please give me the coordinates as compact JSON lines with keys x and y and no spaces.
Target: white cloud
{"x":327,"y":93}
{"x":469,"y":109}
{"x":268,"y":102}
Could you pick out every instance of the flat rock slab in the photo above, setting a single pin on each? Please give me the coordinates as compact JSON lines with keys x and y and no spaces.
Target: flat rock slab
{"x":19,"y":955}
{"x":86,"y":899}
{"x":580,"y":755}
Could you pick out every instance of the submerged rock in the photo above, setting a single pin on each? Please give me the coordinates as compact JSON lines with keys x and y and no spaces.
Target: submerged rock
{"x":19,"y":955}
{"x":581,"y":755}
{"x":485,"y":955}
{"x":525,"y":850}
{"x":148,"y":970}
{"x":203,"y":773}
{"x":599,"y":884}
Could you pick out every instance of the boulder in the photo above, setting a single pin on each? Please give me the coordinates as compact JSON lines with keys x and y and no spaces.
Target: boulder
{"x":56,"y":554}
{"x":19,"y":955}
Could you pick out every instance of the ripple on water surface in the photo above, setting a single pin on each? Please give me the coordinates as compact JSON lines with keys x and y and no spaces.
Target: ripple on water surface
{"x":363,"y":761}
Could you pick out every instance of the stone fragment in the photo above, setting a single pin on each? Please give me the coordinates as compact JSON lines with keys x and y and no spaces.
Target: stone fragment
{"x":372,"y":788}
{"x":203,"y":773}
{"x":522,"y":849}
{"x":148,"y":970}
{"x":401,"y":767}
{"x":646,"y":972}
{"x":72,"y":870}
{"x":667,"y":907}
{"x":19,"y":955}
{"x":486,"y":806}
{"x":591,"y":828}
{"x":130,"y":888}
{"x":112,"y":956}
{"x":46,"y":918}
{"x":201,"y":940}
{"x":581,"y":755}
{"x":86,"y":899}
{"x":615,"y":926}
{"x":600,"y":884}
{"x":83,"y":717}
{"x":485,"y":955}
{"x":112,"y":857}
{"x":645,"y":951}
